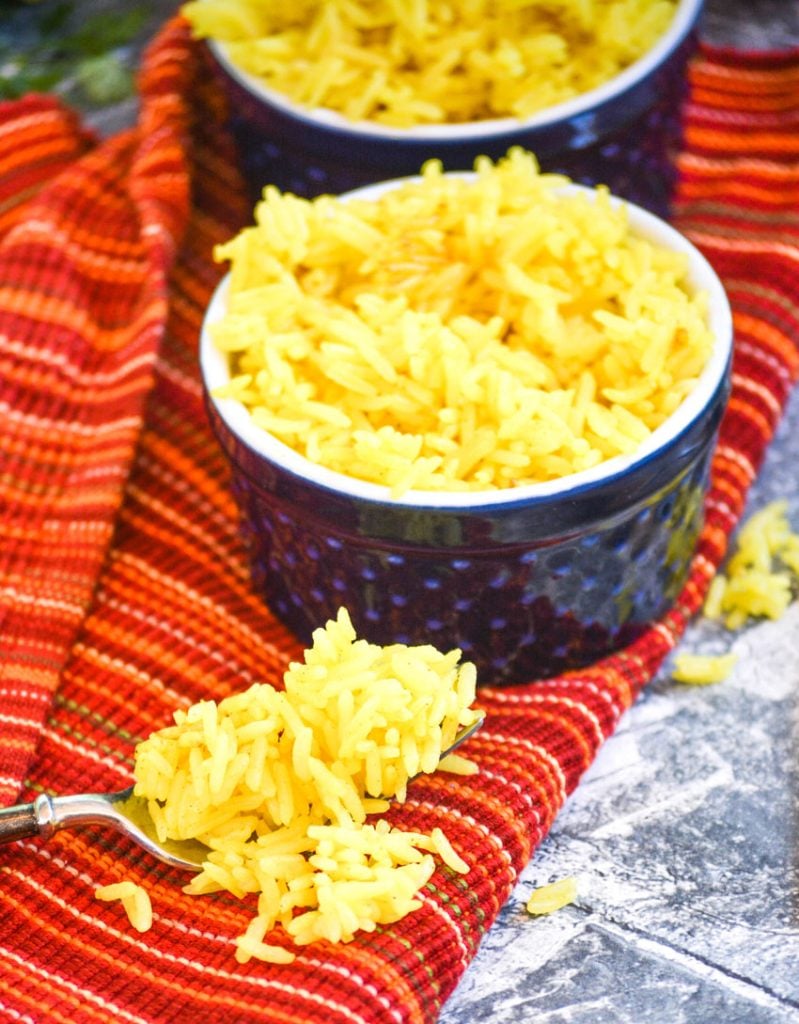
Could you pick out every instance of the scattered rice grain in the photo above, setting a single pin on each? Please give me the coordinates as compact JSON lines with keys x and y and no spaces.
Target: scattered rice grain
{"x":701,"y":669}
{"x":761,"y":576}
{"x":548,"y":898}
{"x":135,"y":901}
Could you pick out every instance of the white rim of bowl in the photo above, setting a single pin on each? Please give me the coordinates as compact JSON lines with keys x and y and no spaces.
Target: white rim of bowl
{"x":684,"y":18}
{"x":215,"y":371}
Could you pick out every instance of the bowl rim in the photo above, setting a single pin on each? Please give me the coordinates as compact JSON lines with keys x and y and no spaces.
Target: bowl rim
{"x":215,"y":371}
{"x":685,"y":17}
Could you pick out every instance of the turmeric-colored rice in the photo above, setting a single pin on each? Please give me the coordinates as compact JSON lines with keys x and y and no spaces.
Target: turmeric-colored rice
{"x":404,"y":63}
{"x":135,"y":902}
{"x":279,"y":783}
{"x":546,"y":899}
{"x":761,"y":576}
{"x":760,"y":580}
{"x":702,"y":669}
{"x":459,"y":333}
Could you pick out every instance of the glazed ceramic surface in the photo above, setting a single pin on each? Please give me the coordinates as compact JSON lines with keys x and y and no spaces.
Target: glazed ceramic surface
{"x":621,"y":134}
{"x":527,"y":581}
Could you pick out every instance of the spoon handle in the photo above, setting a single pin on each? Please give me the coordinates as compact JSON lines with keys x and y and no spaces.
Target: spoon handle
{"x":24,"y":821}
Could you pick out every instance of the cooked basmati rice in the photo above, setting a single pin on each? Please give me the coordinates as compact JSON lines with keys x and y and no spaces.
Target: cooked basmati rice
{"x":278,"y":784}
{"x":458,"y":333}
{"x":135,"y":901}
{"x":410,"y":62}
{"x":702,"y":669}
{"x":761,"y":576}
{"x":546,"y":899}
{"x":760,"y":581}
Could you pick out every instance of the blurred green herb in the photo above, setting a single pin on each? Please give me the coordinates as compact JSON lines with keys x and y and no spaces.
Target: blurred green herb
{"x":52,"y":45}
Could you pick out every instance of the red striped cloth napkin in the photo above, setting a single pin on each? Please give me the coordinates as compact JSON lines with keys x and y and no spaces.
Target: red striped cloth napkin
{"x":124,"y":589}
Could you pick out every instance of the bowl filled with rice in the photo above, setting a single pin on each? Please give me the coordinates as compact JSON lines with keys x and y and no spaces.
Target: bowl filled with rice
{"x":477,"y":409}
{"x":328,"y":96}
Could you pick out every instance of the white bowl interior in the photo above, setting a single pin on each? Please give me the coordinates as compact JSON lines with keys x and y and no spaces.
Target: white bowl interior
{"x":684,"y":18}
{"x":701,"y":276}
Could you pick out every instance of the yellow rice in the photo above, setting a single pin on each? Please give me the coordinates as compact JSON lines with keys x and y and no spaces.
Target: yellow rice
{"x":702,"y":669}
{"x":135,"y":901}
{"x":411,"y":62}
{"x":278,"y":784}
{"x":459,"y":333}
{"x":760,"y":578}
{"x":759,"y":581}
{"x":546,"y":899}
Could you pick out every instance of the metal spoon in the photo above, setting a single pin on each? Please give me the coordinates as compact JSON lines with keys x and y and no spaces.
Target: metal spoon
{"x":123,"y":811}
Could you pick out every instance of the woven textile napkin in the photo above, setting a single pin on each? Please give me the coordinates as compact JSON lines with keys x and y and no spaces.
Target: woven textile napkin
{"x":124,"y":589}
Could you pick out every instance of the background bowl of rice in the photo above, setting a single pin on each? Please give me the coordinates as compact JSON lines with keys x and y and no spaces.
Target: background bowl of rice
{"x":527,"y":580}
{"x":620,"y":131}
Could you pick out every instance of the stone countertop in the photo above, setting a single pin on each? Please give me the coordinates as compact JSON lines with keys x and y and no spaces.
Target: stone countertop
{"x":684,"y":834}
{"x":751,"y":24}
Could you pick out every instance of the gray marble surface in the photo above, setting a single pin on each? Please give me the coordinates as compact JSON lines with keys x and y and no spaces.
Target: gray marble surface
{"x":758,"y":24}
{"x":684,"y":834}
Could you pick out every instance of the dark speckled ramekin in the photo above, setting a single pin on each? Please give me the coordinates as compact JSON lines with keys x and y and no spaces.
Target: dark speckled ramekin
{"x":622,"y":134}
{"x":527,"y":582}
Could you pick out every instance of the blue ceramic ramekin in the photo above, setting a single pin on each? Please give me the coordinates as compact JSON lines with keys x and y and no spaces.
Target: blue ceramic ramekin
{"x":528,"y":581}
{"x":621,"y":134}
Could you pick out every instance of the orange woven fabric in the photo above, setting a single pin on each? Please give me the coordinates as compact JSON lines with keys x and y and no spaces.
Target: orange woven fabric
{"x":125,"y":589}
